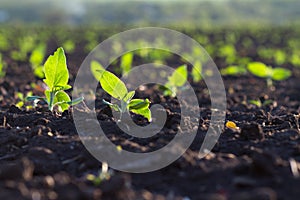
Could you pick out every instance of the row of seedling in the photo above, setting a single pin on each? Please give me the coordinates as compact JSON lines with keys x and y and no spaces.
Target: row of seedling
{"x":57,"y":76}
{"x":260,"y":70}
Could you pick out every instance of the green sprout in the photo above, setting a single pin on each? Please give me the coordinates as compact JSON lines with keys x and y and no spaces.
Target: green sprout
{"x":22,"y":99}
{"x":69,"y":46}
{"x":265,"y":53}
{"x":233,"y":70}
{"x":158,"y":55}
{"x":279,"y":57}
{"x":196,"y":71}
{"x":103,"y":175}
{"x":176,"y":81}
{"x":260,"y":103}
{"x":117,"y":89}
{"x":126,"y":62}
{"x":57,"y":77}
{"x":2,"y":67}
{"x":228,"y":51}
{"x":4,"y":43}
{"x":263,"y":71}
{"x":36,"y":59}
{"x":25,"y":45}
{"x":295,"y":59}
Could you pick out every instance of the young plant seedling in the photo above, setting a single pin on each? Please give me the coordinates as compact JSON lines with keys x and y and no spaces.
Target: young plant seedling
{"x":261,"y":70}
{"x":126,"y":62}
{"x":233,"y":70}
{"x":103,"y":175}
{"x":25,"y":45}
{"x":22,"y":99}
{"x":228,"y":51}
{"x":295,"y":59}
{"x":176,"y":81}
{"x":2,"y":67}
{"x":36,"y":60}
{"x":57,"y":77}
{"x":117,"y":89}
{"x":260,"y":103}
{"x":196,"y":71}
{"x":69,"y":46}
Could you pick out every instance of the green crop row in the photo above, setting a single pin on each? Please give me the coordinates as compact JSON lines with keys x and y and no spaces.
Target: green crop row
{"x":269,"y":54}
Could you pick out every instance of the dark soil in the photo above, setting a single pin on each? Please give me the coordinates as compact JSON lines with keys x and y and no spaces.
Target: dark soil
{"x":42,"y":157}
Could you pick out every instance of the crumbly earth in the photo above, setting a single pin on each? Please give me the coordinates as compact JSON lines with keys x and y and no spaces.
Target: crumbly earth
{"x":42,"y":156}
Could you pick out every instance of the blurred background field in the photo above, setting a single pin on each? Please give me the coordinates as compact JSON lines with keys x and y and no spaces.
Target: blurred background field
{"x":194,"y":13}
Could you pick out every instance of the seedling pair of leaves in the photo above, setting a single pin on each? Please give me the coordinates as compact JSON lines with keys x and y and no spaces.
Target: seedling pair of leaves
{"x":22,"y":99}
{"x":25,"y":45}
{"x":176,"y":81}
{"x":229,"y":52}
{"x":126,"y":62}
{"x":102,"y":175}
{"x":57,"y":77}
{"x":261,"y":70}
{"x":117,"y":89}
{"x":260,"y":103}
{"x":234,"y":70}
{"x":36,"y":60}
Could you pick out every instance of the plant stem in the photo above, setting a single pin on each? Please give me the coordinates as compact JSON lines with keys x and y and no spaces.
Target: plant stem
{"x":269,"y":82}
{"x":51,"y":100}
{"x":121,"y":114}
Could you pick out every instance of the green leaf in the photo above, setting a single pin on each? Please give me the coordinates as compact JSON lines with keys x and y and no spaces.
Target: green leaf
{"x":280,"y":74}
{"x":279,"y":57}
{"x":138,"y":104}
{"x":56,"y":71}
{"x":20,"y":95}
{"x":106,"y":102}
{"x":255,"y":102}
{"x":126,"y":62}
{"x":267,"y":102}
{"x":169,"y":92}
{"x":233,"y":70}
{"x":116,"y":107}
{"x":196,"y":71}
{"x":113,"y":85}
{"x":113,"y":106}
{"x":259,"y":69}
{"x":61,"y":96}
{"x":2,"y":67}
{"x":179,"y":76}
{"x":69,"y":46}
{"x":146,"y":112}
{"x":20,"y":104}
{"x":48,"y":94}
{"x":32,"y":98}
{"x":61,"y":99}
{"x":37,"y":55}
{"x":66,"y":87}
{"x":39,"y":72}
{"x":97,"y":69}
{"x":128,"y":96}
{"x":75,"y":101}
